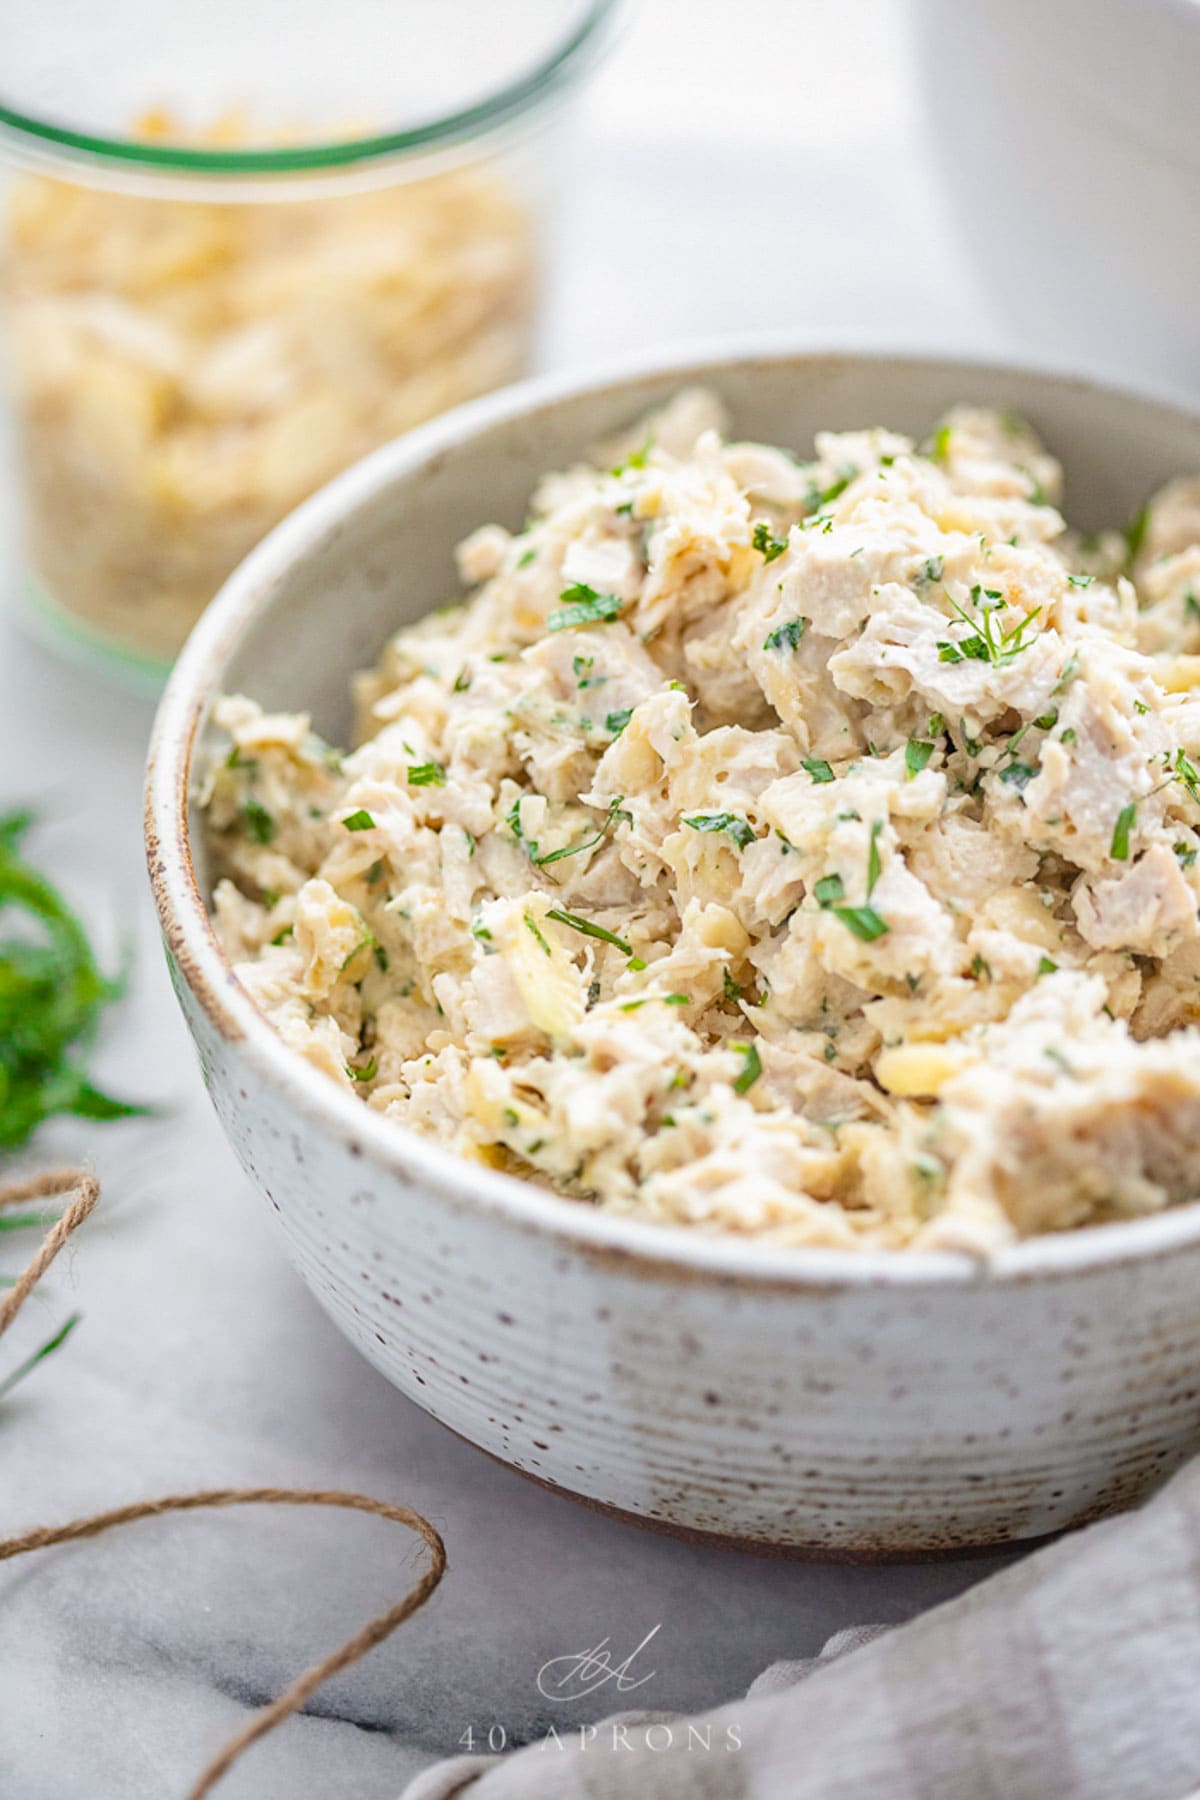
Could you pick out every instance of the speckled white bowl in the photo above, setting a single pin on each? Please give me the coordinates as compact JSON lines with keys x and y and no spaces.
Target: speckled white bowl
{"x":795,"y":1400}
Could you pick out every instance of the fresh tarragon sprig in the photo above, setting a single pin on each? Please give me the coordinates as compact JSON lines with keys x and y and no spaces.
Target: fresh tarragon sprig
{"x":52,"y":993}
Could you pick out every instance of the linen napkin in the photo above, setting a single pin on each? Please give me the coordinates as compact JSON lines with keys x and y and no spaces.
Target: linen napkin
{"x":1072,"y":1675}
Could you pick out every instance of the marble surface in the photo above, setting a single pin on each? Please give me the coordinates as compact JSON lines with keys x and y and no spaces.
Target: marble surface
{"x":776,"y":182}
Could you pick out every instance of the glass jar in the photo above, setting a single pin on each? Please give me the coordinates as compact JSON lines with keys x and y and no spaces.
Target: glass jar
{"x":244,"y":242}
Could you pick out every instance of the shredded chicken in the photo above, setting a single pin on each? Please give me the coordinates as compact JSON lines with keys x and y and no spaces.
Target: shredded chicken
{"x":797,"y":850}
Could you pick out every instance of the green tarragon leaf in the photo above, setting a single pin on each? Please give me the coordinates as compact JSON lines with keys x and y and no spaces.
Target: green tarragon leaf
{"x":786,"y":637}
{"x":732,"y":824}
{"x":582,"y":605}
{"x":588,"y":928}
{"x":766,"y":543}
{"x":818,"y":768}
{"x":751,"y":1064}
{"x":1126,"y":819}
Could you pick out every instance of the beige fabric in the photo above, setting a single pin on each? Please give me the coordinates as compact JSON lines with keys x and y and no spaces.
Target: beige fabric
{"x":1075,"y":1674}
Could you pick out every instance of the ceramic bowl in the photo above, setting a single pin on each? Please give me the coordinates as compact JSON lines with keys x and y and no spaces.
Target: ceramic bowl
{"x":1064,"y":135}
{"x":800,"y":1400}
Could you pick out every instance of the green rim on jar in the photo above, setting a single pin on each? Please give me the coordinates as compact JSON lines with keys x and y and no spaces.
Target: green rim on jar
{"x":557,"y":71}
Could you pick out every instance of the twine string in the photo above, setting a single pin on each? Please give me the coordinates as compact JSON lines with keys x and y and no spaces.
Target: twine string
{"x":46,"y":1187}
{"x":42,"y":1537}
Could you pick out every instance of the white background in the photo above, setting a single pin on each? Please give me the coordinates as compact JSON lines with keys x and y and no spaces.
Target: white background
{"x":744,"y":166}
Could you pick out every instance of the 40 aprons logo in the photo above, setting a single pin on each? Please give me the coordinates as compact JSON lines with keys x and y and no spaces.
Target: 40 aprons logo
{"x":579,"y":1673}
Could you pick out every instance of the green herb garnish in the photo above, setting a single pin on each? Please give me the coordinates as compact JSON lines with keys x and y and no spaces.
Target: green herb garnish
{"x":734,"y":826}
{"x":986,"y":642}
{"x":615,"y":722}
{"x":537,"y":931}
{"x":916,"y":755}
{"x":751,"y":1064}
{"x":259,"y":823}
{"x":582,"y":605}
{"x":786,"y":637}
{"x":766,"y":543}
{"x":1126,"y":818}
{"x":426,"y":774}
{"x":615,"y":815}
{"x":587,"y":927}
{"x":359,"y":821}
{"x":863,"y":921}
{"x":817,"y":767}
{"x":368,"y":1072}
{"x":874,"y":867}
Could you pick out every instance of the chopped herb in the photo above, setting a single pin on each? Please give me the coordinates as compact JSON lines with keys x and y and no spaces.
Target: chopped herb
{"x":1186,"y":854}
{"x":732,"y":824}
{"x":930,"y":570}
{"x":785,"y":637}
{"x":525,"y":558}
{"x":368,"y":1071}
{"x":534,"y":927}
{"x":1081,"y":581}
{"x":817,"y":498}
{"x":751,"y":1065}
{"x":734,"y":992}
{"x":481,"y":932}
{"x":1037,"y":493}
{"x":381,"y":957}
{"x":676,"y":1000}
{"x":615,"y":722}
{"x":817,"y":767}
{"x":281,"y":937}
{"x":1047,"y":721}
{"x":1185,"y":772}
{"x":359,"y":821}
{"x":259,"y":823}
{"x":766,"y":543}
{"x":588,"y":928}
{"x":828,"y":889}
{"x":1135,"y":531}
{"x":863,"y":921}
{"x":511,"y":1117}
{"x":917,"y":755}
{"x":1046,"y":966}
{"x":426,"y":774}
{"x":981,"y":969}
{"x":1069,"y":736}
{"x":1018,"y":775}
{"x":1126,"y":818}
{"x":636,"y":458}
{"x":986,"y":643}
{"x":874,"y":867}
{"x":936,"y":726}
{"x":1070,"y":670}
{"x":1139,"y":706}
{"x":582,"y":606}
{"x":941,"y":444}
{"x":1191,"y":606}
{"x":615,"y":815}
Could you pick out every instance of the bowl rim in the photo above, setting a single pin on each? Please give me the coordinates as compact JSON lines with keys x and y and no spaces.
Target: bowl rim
{"x":639,"y":1246}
